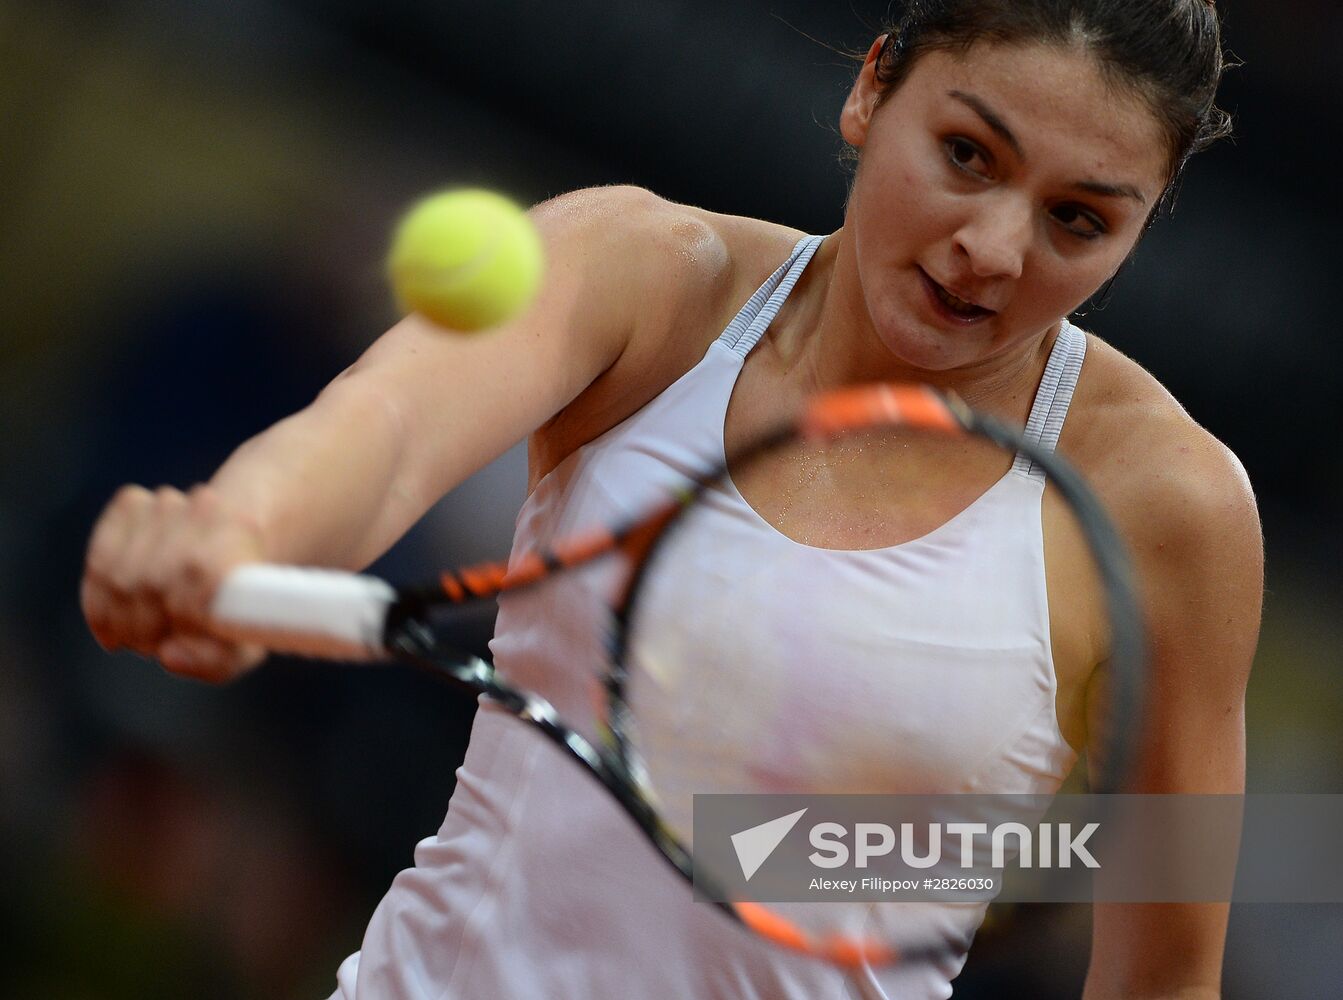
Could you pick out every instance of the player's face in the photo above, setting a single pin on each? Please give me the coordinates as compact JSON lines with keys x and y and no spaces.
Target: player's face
{"x":997,"y":190}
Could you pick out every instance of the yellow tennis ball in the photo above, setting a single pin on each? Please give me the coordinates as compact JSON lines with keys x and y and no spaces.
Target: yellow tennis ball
{"x":467,"y":259}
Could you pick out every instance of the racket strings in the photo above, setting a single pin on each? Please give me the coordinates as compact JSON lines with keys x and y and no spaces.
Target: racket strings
{"x":755,"y":659}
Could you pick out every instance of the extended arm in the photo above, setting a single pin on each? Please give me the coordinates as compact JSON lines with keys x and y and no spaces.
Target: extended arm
{"x":340,"y":481}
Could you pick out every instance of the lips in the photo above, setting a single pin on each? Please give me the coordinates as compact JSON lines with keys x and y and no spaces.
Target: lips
{"x":953,"y":306}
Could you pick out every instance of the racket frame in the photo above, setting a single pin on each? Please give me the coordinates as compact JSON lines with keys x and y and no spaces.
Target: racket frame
{"x":408,"y":634}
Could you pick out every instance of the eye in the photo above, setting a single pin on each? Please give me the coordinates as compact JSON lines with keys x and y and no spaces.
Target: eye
{"x":967,"y":157}
{"x":1080,"y":221}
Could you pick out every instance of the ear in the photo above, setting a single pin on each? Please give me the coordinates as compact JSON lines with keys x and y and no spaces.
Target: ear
{"x":856,"y":117}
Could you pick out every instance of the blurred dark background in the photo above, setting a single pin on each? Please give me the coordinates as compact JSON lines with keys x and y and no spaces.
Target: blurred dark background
{"x":194,"y":202}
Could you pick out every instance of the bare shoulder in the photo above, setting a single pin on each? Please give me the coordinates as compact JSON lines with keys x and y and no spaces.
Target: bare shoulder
{"x":679,"y":274}
{"x":679,"y":249}
{"x":629,"y":224}
{"x":1158,"y":469}
{"x":1186,"y":508}
{"x":682,"y":252}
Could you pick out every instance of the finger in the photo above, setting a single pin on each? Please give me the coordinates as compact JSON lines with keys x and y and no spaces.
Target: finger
{"x":150,"y":555}
{"x":106,"y":595}
{"x":206,"y":658}
{"x":137,"y":511}
{"x":146,"y":570}
{"x":218,"y":541}
{"x":98,"y":593}
{"x":142,"y":623}
{"x":112,"y":530}
{"x":118,"y":623}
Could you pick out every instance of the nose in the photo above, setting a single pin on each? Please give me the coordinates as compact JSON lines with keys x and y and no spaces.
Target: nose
{"x":996,"y":238}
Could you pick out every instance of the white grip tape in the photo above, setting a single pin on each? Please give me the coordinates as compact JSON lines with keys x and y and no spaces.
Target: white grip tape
{"x":311,"y":612}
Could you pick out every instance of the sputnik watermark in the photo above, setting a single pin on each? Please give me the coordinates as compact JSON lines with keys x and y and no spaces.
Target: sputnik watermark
{"x":1024,"y":848}
{"x":1044,"y":846}
{"x":1027,"y":848}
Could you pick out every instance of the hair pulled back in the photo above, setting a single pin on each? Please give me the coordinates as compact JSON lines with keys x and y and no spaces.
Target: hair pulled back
{"x":1169,"y":51}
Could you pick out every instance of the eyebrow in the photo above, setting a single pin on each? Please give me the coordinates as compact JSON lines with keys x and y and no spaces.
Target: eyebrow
{"x":999,"y":127}
{"x":991,"y":119}
{"x":1111,"y":190}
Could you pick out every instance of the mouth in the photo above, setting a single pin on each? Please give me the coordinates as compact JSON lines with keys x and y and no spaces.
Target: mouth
{"x":951,"y":306}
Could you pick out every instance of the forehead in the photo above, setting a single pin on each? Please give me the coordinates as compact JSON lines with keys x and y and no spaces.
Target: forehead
{"x":1057,"y":102}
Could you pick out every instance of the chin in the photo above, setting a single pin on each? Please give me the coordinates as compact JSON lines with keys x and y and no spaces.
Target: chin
{"x":919,"y":338}
{"x":919,"y":346}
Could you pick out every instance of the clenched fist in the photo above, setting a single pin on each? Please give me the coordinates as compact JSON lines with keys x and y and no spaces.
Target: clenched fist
{"x":154,"y":562}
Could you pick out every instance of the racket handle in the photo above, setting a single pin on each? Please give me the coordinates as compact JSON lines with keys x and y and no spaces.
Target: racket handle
{"x":323,"y":613}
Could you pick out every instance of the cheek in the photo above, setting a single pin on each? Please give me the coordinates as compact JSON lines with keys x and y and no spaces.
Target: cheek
{"x":900,"y":206}
{"x":917,"y":170}
{"x":896,"y":165}
{"x":1069,"y":273}
{"x":1056,"y":287}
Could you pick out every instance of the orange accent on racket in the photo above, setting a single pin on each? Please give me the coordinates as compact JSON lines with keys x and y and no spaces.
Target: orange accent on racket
{"x":841,"y":951}
{"x":529,"y":569}
{"x":452,"y":587}
{"x":579,"y":550}
{"x":876,"y":405}
{"x":769,"y":924}
{"x":854,"y":954}
{"x":485,"y":579}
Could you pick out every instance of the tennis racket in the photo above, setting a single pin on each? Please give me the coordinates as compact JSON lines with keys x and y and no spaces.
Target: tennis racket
{"x":687,"y":640}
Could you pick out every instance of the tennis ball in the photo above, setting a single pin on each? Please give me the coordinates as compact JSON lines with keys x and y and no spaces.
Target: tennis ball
{"x":466,"y":259}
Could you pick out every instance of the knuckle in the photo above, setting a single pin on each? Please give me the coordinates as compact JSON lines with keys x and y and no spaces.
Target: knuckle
{"x":170,"y":500}
{"x":204,"y":501}
{"x":131,"y":495}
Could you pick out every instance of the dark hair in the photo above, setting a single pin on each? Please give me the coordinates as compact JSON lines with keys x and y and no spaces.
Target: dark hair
{"x":1170,"y":51}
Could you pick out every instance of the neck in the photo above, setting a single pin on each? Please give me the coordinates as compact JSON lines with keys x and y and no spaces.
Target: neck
{"x":829,"y":341}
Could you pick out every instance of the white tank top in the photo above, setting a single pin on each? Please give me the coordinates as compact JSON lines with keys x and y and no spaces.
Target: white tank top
{"x":538,"y":885}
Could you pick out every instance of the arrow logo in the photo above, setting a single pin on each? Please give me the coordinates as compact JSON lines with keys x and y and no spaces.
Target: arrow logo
{"x":754,"y":846}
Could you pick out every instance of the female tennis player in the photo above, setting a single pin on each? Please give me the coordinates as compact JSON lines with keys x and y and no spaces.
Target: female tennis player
{"x":1010,"y":157}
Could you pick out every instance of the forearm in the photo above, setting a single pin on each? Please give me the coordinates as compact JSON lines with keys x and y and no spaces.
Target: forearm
{"x":1186,"y":993}
{"x":328,"y":485}
{"x":1156,"y":951}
